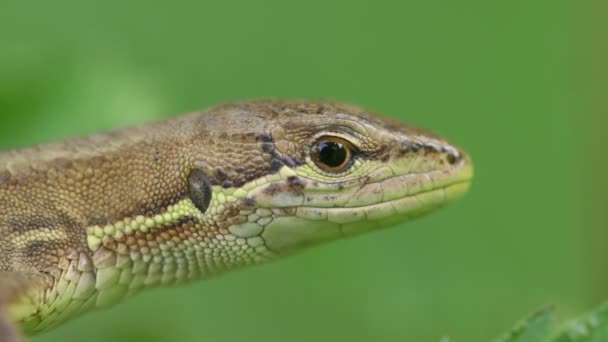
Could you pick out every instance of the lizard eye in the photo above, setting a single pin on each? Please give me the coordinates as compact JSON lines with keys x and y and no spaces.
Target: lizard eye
{"x":332,"y":154}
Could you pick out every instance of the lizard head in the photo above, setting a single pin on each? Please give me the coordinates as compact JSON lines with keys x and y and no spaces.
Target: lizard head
{"x":201,"y":194}
{"x":330,"y":170}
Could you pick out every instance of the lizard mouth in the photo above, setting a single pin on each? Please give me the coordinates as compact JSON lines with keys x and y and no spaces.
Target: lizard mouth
{"x":401,"y":197}
{"x":373,"y":206}
{"x":407,"y":206}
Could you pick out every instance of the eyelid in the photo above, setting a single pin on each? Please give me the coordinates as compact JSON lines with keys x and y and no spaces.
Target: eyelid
{"x":352,"y":137}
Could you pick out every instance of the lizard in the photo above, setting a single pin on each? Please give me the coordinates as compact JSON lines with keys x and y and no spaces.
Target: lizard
{"x":90,"y":221}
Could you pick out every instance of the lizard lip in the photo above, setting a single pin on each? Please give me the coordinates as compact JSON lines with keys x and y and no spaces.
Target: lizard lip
{"x":405,"y":207}
{"x":391,"y":187}
{"x":403,"y":196}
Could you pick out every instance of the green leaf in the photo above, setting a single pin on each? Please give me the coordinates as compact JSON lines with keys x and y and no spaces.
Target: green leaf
{"x":534,"y":329}
{"x":592,"y":327}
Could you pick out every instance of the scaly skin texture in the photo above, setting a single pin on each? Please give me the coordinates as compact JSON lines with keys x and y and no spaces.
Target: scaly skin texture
{"x":89,"y":222}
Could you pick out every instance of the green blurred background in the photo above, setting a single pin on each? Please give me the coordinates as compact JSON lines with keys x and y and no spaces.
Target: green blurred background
{"x":514,"y":82}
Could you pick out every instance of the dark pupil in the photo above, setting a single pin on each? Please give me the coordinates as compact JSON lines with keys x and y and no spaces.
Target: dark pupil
{"x":331,"y":153}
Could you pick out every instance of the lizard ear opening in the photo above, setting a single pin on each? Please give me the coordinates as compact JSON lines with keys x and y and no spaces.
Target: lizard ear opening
{"x":199,"y":190}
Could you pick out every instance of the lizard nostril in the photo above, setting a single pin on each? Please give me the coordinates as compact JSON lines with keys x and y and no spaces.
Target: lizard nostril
{"x":453,"y":157}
